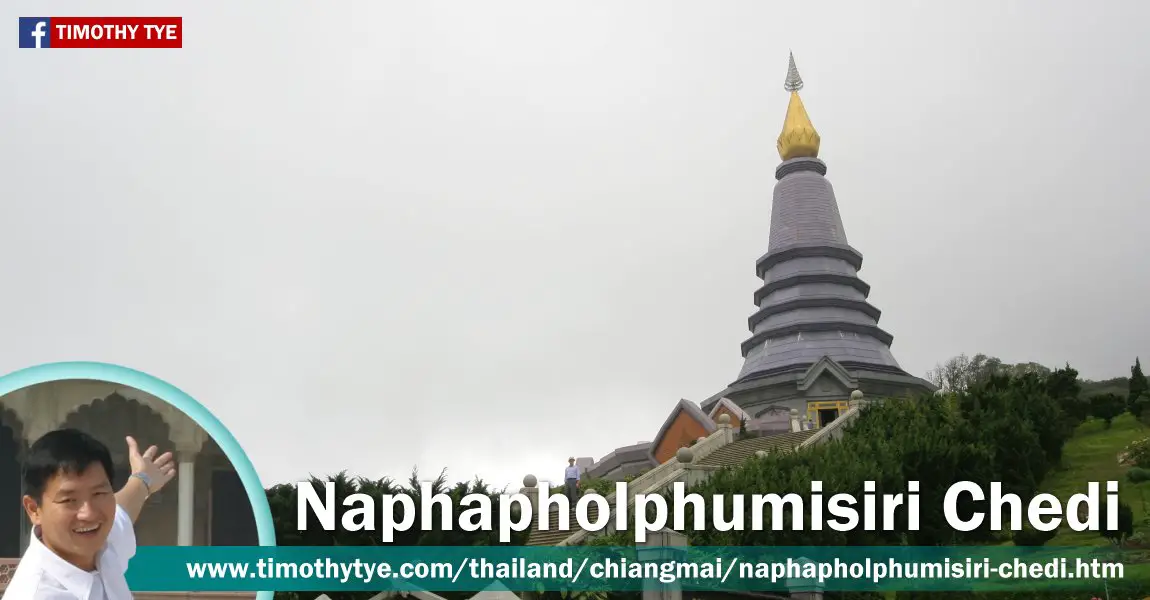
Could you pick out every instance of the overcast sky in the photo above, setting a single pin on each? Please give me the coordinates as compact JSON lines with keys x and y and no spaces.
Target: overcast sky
{"x":488,"y":235}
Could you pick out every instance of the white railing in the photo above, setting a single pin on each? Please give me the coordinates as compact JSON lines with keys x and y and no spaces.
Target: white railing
{"x":717,"y":439}
{"x":825,"y":431}
{"x":660,"y":477}
{"x":670,"y":478}
{"x":650,"y":479}
{"x":671,"y":471}
{"x":721,"y":437}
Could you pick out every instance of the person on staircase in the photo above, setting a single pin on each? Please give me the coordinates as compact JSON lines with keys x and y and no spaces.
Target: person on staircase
{"x":571,"y":477}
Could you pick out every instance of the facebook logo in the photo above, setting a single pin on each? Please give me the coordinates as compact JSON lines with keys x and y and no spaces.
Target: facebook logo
{"x":35,"y":32}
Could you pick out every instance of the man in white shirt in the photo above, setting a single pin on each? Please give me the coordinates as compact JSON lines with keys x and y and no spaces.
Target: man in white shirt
{"x":83,"y":532}
{"x":571,"y":477}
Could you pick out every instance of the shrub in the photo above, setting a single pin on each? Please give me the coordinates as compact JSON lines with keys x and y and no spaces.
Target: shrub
{"x":1106,"y":407}
{"x":1138,"y":475}
{"x":1138,"y":453}
{"x":1125,"y":523}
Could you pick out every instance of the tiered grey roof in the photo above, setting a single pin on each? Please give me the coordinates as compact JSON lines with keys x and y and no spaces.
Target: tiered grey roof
{"x":812,"y":303}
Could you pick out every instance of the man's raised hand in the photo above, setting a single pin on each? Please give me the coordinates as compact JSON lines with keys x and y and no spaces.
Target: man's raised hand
{"x":158,"y":470}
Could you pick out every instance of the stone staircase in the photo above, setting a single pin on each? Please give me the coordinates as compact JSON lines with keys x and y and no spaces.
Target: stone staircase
{"x":690,"y":465}
{"x":554,"y":536}
{"x":659,"y":478}
{"x":739,"y":452}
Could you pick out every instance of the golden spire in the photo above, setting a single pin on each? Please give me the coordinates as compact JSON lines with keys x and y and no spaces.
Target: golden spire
{"x":799,"y":138}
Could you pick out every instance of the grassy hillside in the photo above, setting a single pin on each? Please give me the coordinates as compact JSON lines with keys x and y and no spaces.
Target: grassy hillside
{"x":1092,"y":455}
{"x":1118,"y":385}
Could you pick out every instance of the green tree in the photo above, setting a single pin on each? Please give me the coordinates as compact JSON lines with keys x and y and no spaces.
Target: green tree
{"x":1125,"y":527}
{"x":957,"y":374}
{"x":1139,"y":391}
{"x":961,"y":372}
{"x":603,"y":487}
{"x":1002,"y":427}
{"x":1065,"y":388}
{"x":1106,"y":407}
{"x":283,"y":501}
{"x":1020,"y":369}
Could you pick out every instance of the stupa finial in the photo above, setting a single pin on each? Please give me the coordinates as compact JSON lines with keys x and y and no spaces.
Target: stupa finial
{"x":794,"y":82}
{"x":799,"y":138}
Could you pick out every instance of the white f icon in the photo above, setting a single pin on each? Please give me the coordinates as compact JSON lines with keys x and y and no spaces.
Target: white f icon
{"x":39,"y":32}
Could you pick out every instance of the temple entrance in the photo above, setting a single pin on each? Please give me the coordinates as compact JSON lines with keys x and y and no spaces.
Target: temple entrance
{"x":11,"y":511}
{"x":112,"y":419}
{"x":823,"y":412}
{"x":233,"y":523}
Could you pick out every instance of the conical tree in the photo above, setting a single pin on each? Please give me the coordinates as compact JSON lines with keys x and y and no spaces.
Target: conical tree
{"x":1139,"y":395}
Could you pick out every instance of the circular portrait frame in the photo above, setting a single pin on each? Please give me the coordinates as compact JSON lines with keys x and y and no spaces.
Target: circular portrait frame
{"x":62,"y":371}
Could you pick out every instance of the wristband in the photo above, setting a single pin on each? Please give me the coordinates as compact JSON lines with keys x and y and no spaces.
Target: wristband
{"x":147,"y":481}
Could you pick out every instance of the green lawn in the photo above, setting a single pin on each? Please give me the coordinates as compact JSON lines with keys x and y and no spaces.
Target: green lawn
{"x":1092,"y":455}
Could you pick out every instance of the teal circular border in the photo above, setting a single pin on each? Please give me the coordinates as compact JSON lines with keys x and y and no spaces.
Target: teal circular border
{"x":169,"y":393}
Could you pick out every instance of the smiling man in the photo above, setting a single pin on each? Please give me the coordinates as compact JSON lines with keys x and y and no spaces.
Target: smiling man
{"x":83,"y":531}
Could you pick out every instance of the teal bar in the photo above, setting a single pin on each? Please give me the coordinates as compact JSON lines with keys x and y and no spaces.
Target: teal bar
{"x":518,"y":568}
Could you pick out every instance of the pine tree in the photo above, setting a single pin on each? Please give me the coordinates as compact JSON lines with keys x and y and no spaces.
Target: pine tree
{"x":1139,"y":395}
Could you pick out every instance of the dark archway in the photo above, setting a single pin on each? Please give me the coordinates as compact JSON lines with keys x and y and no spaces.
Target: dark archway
{"x":233,"y":521}
{"x":11,"y":513}
{"x":112,"y":419}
